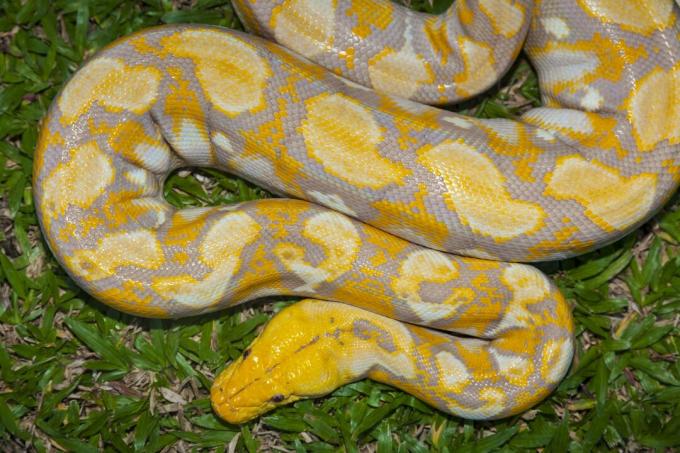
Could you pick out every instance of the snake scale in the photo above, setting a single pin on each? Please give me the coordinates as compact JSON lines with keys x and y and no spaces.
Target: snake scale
{"x":407,"y":222}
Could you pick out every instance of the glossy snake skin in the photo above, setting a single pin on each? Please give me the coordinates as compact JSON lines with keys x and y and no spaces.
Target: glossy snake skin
{"x":444,"y":202}
{"x":426,"y":58}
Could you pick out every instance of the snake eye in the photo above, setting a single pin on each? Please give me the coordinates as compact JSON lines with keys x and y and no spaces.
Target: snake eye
{"x":277,"y":398}
{"x":246,"y":353}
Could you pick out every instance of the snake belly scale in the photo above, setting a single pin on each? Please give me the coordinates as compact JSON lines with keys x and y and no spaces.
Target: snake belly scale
{"x":407,"y":223}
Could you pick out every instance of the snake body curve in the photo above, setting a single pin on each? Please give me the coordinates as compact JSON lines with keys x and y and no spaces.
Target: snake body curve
{"x":443,"y":202}
{"x":434,"y":59}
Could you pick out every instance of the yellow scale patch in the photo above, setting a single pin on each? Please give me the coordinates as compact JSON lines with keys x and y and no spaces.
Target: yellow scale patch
{"x":654,"y":109}
{"x":339,"y":239}
{"x":487,"y":209}
{"x":528,"y":287}
{"x":564,"y":242}
{"x":639,"y":16}
{"x":399,"y":71}
{"x":417,"y":219}
{"x":139,"y":248}
{"x":517,"y":143}
{"x":612,"y":201}
{"x":127,"y":207}
{"x":260,"y":277}
{"x":130,"y":140}
{"x":127,"y":298}
{"x":591,"y":129}
{"x":527,"y":283}
{"x":479,"y":72}
{"x":516,"y":369}
{"x":475,"y":318}
{"x":247,"y":14}
{"x":109,"y":82}
{"x":358,"y":359}
{"x":231,"y":73}
{"x":408,"y":117}
{"x":437,"y":33}
{"x":607,"y":60}
{"x":220,"y":251}
{"x":370,"y":14}
{"x":553,"y":357}
{"x":306,"y":26}
{"x":268,"y":142}
{"x":189,"y":136}
{"x":478,"y":360}
{"x":185,"y":226}
{"x":391,"y":246}
{"x":429,"y":266}
{"x":464,"y":12}
{"x":46,"y":138}
{"x":79,"y":181}
{"x":342,"y":135}
{"x":506,"y":16}
{"x":453,"y":373}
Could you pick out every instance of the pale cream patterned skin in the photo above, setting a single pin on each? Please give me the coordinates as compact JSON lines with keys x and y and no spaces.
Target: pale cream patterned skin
{"x":423,"y":57}
{"x":423,"y":187}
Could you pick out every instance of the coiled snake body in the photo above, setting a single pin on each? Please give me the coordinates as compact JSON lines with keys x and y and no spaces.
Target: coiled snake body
{"x":429,"y":210}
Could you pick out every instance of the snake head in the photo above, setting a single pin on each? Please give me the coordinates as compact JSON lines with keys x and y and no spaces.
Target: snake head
{"x":293,"y":358}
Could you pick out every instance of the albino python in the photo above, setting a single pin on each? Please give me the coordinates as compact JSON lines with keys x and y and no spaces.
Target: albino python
{"x":429,"y":210}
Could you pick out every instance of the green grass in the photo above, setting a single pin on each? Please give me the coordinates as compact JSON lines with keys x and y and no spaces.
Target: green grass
{"x":78,"y":376}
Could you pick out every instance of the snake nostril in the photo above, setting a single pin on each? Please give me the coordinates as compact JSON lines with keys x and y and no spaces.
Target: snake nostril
{"x":246,"y":353}
{"x":277,"y":398}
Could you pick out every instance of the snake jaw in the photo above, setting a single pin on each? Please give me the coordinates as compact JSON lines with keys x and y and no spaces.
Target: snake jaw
{"x":233,"y":401}
{"x":220,"y":396}
{"x":284,"y":364}
{"x":238,"y":399}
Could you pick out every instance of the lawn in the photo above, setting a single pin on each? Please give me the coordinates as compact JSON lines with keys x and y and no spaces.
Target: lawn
{"x":78,"y":376}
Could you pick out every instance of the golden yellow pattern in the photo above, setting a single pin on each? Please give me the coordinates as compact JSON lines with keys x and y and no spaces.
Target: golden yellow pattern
{"x":410,"y":221}
{"x":612,"y":201}
{"x":506,"y":16}
{"x":481,"y":208}
{"x":478,"y":60}
{"x":86,"y":175}
{"x":137,"y":248}
{"x":235,"y":84}
{"x":398,"y":72}
{"x":335,"y":123}
{"x":102,"y":81}
{"x":653,"y":112}
{"x":304,"y":25}
{"x":219,"y":252}
{"x":640,"y":16}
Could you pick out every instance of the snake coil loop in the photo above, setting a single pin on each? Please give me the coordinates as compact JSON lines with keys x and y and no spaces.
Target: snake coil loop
{"x":408,"y":221}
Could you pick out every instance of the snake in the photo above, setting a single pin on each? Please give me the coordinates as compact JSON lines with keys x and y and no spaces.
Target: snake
{"x":408,"y":230}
